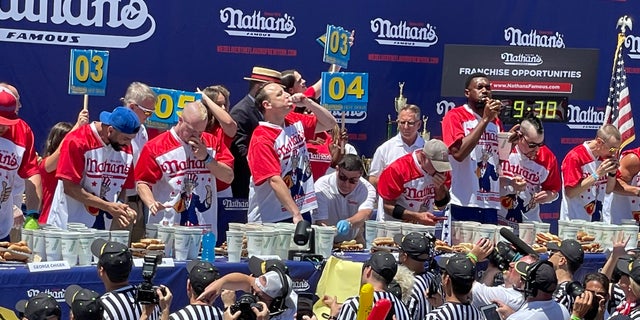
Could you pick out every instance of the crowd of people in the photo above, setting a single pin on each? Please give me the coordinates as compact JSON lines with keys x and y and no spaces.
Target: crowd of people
{"x":280,"y":149}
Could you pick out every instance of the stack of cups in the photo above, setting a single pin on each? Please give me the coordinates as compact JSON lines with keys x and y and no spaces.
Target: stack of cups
{"x":371,"y":232}
{"x":561,"y":225}
{"x":255,"y":242}
{"x":196,"y":242}
{"x":424,"y":229}
{"x":39,"y":245}
{"x":151,"y":231}
{"x":69,"y":245}
{"x":121,"y":236}
{"x":468,"y":231}
{"x":484,"y":231}
{"x":27,"y":236}
{"x":166,"y":235}
{"x":53,"y":247}
{"x":541,"y":227}
{"x":609,"y":232}
{"x":393,"y":228}
{"x":324,"y":240}
{"x":283,"y":241}
{"x":182,"y":243}
{"x":84,"y":247}
{"x":270,"y":236}
{"x":382,"y":229}
{"x":526,"y":233}
{"x":569,"y":232}
{"x":582,"y":224}
{"x":630,"y":231}
{"x":234,"y":245}
{"x":456,"y":232}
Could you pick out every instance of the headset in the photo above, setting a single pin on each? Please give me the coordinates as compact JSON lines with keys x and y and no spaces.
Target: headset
{"x":278,"y":306}
{"x":531,"y":287}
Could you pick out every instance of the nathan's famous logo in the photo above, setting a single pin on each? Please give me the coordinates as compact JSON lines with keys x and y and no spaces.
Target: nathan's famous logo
{"x":521,"y":59}
{"x":533,"y":38}
{"x":590,"y":118}
{"x":408,"y":34}
{"x":257,"y":24}
{"x":443,"y":106}
{"x":57,"y":294}
{"x":632,"y":43}
{"x":350,"y":116}
{"x":110,"y":16}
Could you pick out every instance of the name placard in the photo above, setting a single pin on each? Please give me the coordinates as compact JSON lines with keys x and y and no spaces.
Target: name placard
{"x":48,"y":266}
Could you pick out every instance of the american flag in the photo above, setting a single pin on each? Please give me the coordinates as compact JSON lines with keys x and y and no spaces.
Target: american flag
{"x":618,"y":103}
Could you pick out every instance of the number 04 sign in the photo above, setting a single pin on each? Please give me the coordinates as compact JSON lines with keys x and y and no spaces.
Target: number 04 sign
{"x":345,"y":91}
{"x":88,"y":72}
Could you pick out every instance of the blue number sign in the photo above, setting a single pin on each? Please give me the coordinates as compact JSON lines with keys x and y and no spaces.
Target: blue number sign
{"x":88,"y":72}
{"x":337,"y":49}
{"x":169,"y":105}
{"x":345,"y":91}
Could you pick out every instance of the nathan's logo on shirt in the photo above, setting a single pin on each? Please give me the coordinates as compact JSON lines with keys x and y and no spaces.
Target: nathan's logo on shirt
{"x":413,"y":194}
{"x":173,"y":166}
{"x":534,"y":38}
{"x":9,"y":161}
{"x":407,"y":34}
{"x":112,"y":16}
{"x":516,"y":170}
{"x":295,"y":141}
{"x":443,"y":106}
{"x":632,"y":43}
{"x":320,"y":157}
{"x":235,"y":204}
{"x":521,"y":59}
{"x":589,"y":118}
{"x":257,"y":25}
{"x":93,"y":166}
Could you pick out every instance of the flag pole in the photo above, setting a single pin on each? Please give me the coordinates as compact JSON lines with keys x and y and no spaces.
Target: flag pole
{"x":624,"y":22}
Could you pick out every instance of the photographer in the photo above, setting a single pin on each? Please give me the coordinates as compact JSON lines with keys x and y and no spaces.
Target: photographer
{"x":114,"y":266}
{"x":591,"y":297}
{"x":201,"y":274}
{"x":268,"y":287}
{"x":566,"y":258}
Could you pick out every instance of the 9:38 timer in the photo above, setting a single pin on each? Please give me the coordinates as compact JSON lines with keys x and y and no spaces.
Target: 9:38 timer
{"x":548,"y":109}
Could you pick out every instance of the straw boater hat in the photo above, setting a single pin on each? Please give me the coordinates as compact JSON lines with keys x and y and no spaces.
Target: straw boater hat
{"x":260,"y":74}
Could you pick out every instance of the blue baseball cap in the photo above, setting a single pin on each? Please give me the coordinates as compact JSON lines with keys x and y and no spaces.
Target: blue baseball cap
{"x":122,"y":119}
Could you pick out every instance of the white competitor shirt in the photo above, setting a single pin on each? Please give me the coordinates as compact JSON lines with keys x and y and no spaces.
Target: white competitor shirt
{"x":274,"y":150}
{"x":333,"y":206}
{"x":387,"y":153}
{"x":474,"y":181}
{"x":180,"y":181}
{"x":540,"y":174}
{"x":578,"y":164}
{"x":617,"y":207}
{"x":99,"y":169}
{"x":408,"y":184}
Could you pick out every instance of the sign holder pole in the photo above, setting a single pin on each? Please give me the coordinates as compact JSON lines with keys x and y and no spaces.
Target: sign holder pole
{"x":85,"y":106}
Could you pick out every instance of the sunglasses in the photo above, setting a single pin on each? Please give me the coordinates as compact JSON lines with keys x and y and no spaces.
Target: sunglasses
{"x":144,"y":110}
{"x":409,"y":123}
{"x":531,"y":145}
{"x":344,"y":178}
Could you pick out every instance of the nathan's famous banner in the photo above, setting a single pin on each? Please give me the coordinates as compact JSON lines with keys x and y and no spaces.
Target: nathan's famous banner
{"x":168,"y":44}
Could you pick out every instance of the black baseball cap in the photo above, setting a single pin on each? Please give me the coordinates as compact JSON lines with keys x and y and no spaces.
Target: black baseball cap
{"x":39,"y":307}
{"x":384,"y":264}
{"x":84,"y":303}
{"x":114,"y":257}
{"x":630,"y":268}
{"x":458,"y":266}
{"x":259,"y":267}
{"x":571,"y":249}
{"x":545,"y":275}
{"x":201,"y":274}
{"x":415,"y":245}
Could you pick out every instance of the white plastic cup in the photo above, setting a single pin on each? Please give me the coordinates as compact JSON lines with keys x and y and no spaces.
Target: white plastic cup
{"x":563,"y":224}
{"x":371,"y":232}
{"x":282,"y":243}
{"x":504,"y":146}
{"x":166,"y":235}
{"x":468,"y":231}
{"x":27,"y":236}
{"x":121,"y":236}
{"x":393,"y":228}
{"x":569,"y":232}
{"x":84,"y":248}
{"x":484,"y":231}
{"x":324,"y":240}
{"x":382,"y":229}
{"x":255,"y":242}
{"x":234,"y":245}
{"x":609,"y":232}
{"x":69,"y":244}
{"x":424,"y":229}
{"x":631,"y":232}
{"x":53,"y":247}
{"x":39,"y":244}
{"x":196,"y":242}
{"x":456,"y":232}
{"x":541,"y":227}
{"x":236,"y":226}
{"x":182,"y":242}
{"x":151,"y":231}
{"x":270,"y":236}
{"x":526,"y":232}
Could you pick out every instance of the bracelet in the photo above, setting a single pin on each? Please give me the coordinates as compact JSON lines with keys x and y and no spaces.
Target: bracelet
{"x":208,"y":159}
{"x":595,"y":176}
{"x":611,"y":174}
{"x":398,"y":211}
{"x":32,"y":213}
{"x":473,"y":257}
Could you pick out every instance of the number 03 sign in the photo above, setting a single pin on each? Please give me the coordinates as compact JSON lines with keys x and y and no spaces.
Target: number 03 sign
{"x":345,"y":91}
{"x":336,"y":48}
{"x":88,"y":72}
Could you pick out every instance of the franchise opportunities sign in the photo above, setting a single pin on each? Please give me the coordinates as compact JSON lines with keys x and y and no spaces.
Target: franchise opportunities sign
{"x":522,"y":70}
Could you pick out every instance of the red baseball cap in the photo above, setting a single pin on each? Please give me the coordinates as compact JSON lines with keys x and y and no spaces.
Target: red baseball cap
{"x":8,"y":104}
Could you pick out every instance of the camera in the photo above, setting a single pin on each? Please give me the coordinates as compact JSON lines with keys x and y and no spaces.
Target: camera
{"x":575,"y":289}
{"x":146,"y":293}
{"x":244,"y":305}
{"x":503,"y":255}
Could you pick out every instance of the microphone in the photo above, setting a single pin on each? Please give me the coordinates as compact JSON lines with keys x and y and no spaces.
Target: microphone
{"x":520,"y":245}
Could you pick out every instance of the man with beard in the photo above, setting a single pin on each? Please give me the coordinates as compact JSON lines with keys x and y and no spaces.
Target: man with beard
{"x":94,"y":167}
{"x":531,"y":176}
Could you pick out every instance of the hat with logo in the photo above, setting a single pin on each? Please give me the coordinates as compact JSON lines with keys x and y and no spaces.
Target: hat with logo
{"x":84,"y":303}
{"x":201,"y":274}
{"x":415,"y":245}
{"x":630,"y":268}
{"x":458,"y":266}
{"x":114,"y":257}
{"x":384,"y":264}
{"x":545,"y":276}
{"x":39,"y":307}
{"x":258,"y":266}
{"x":260,"y":74}
{"x":8,"y":105}
{"x":438,"y":153}
{"x":570,"y":249}
{"x":122,"y":119}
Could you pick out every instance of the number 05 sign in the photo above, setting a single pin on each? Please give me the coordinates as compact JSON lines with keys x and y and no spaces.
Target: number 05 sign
{"x":88,"y":72}
{"x":345,"y":91}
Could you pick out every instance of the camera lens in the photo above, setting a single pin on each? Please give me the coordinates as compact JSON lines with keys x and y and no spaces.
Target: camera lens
{"x":574,"y":289}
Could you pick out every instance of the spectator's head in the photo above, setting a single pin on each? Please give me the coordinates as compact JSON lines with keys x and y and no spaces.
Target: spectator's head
{"x":40,"y":307}
{"x":380,"y":268}
{"x":122,"y":126}
{"x":56,"y":134}
{"x":530,"y":136}
{"x":437,"y":155}
{"x":458,"y":274}
{"x":348,"y":173}
{"x":598,"y":284}
{"x":409,"y":123}
{"x":259,"y":76}
{"x":608,"y":142}
{"x":293,"y":82}
{"x":414,"y":246}
{"x":84,"y":303}
{"x":141,"y":99}
{"x":273,"y":285}
{"x":513,"y":278}
{"x":630,"y":279}
{"x":273,"y":101}
{"x":567,"y":256}
{"x":201,"y":274}
{"x":114,"y":261}
{"x":9,"y":102}
{"x":192,"y":123}
{"x":540,"y":279}
{"x":477,"y":89}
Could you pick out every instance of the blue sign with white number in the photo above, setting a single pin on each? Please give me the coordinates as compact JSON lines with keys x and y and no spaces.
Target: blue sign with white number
{"x":345,"y":91}
{"x":88,"y":72}
{"x":336,"y":48}
{"x":169,"y":105}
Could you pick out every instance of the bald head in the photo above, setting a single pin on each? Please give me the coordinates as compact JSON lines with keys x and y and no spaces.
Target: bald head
{"x":194,"y":111}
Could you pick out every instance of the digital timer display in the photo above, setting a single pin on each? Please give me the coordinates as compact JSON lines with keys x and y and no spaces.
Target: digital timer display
{"x":515,"y":108}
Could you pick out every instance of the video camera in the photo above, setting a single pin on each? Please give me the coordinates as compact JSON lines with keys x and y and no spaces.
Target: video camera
{"x":503,"y":255}
{"x":244,"y":305}
{"x":146,"y":293}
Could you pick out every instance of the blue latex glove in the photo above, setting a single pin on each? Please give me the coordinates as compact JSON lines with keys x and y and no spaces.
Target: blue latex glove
{"x":343,"y":227}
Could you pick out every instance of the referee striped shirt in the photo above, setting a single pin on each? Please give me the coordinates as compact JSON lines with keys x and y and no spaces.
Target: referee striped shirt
{"x":562,"y":297}
{"x":418,"y":305}
{"x":197,"y":311}
{"x":617,"y":298}
{"x":349,"y":310}
{"x":455,"y":311}
{"x":121,"y":304}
